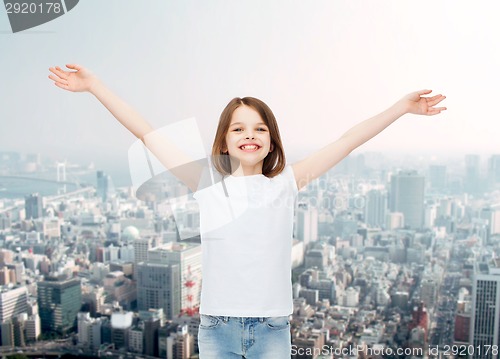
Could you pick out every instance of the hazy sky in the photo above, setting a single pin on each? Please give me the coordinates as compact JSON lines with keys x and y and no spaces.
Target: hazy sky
{"x":322,"y":66}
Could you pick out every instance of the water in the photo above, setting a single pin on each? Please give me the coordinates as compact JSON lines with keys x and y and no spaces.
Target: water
{"x":12,"y":188}
{"x":19,"y":188}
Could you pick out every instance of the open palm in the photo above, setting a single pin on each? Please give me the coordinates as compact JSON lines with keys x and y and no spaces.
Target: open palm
{"x":76,"y":81}
{"x":418,"y":104}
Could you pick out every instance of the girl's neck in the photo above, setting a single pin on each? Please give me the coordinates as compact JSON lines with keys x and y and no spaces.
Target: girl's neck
{"x":247,"y":171}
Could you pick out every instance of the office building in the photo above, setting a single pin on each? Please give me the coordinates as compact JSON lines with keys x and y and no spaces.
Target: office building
{"x":438,"y":178}
{"x":472,"y":179}
{"x":13,"y":301}
{"x":33,"y":206}
{"x":407,"y":197}
{"x":306,"y":223}
{"x":188,"y":258}
{"x":494,"y":171}
{"x":375,"y":208}
{"x":485,"y":317}
{"x":105,"y":186}
{"x":159,"y":286}
{"x":59,"y":301}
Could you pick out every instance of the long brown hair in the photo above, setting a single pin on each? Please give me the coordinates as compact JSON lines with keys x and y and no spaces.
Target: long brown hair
{"x":274,"y":163}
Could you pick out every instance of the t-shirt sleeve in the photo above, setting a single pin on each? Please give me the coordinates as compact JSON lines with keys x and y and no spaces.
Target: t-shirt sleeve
{"x":290,"y":178}
{"x":205,"y":182}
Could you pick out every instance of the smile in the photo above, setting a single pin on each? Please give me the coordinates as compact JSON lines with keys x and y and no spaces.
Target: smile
{"x":249,"y":148}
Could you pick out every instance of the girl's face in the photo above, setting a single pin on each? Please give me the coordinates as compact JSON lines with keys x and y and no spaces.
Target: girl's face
{"x":248,"y":139}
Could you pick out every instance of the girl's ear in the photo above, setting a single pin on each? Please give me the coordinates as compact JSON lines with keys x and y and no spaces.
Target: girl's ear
{"x":272,"y":147}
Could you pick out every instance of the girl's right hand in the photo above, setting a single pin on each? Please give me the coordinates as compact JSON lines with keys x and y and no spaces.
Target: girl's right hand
{"x":76,"y":81}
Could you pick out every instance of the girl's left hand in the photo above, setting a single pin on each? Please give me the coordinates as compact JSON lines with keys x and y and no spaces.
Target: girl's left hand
{"x":417,"y":104}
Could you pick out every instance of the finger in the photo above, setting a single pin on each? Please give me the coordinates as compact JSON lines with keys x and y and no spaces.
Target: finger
{"x":435,"y":111}
{"x":424,"y":92}
{"x":65,"y":87}
{"x":58,"y":80}
{"x":73,"y":66}
{"x":433,"y":97}
{"x":54,"y":71}
{"x":60,"y":73}
{"x":435,"y":101}
{"x":439,"y":108}
{"x":51,"y":69}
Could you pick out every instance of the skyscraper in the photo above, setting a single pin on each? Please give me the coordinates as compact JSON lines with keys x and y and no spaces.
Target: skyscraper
{"x":375,"y":208}
{"x":59,"y":301}
{"x":188,"y":257}
{"x":472,"y":180}
{"x":105,"y":186}
{"x":158,"y":286}
{"x":437,"y":177}
{"x":494,"y":170}
{"x":485,"y":317}
{"x":141,"y":247}
{"x":407,"y":197}
{"x":33,"y":206}
{"x":306,"y":223}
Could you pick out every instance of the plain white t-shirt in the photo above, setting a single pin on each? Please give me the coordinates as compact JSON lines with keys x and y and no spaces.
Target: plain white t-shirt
{"x":246,"y":240}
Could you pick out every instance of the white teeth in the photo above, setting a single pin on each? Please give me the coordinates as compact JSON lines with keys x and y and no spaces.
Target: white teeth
{"x":253,"y":147}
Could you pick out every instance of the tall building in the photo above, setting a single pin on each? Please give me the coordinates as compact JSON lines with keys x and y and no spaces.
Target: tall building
{"x":494,"y":170}
{"x":492,"y":218}
{"x":306,"y":223}
{"x":472,"y":180}
{"x":33,"y":206}
{"x":141,"y":247}
{"x":13,"y":302}
{"x":59,"y":301}
{"x":437,"y":177}
{"x":188,"y":257}
{"x":407,"y":197}
{"x":376,"y":208}
{"x":158,"y":286}
{"x":485,"y":317}
{"x":89,"y":331}
{"x":105,"y":186}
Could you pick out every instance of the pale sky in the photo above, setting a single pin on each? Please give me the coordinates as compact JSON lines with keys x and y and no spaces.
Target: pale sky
{"x":322,"y":67}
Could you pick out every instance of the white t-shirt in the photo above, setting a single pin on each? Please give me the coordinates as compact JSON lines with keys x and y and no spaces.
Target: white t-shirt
{"x":246,"y":240}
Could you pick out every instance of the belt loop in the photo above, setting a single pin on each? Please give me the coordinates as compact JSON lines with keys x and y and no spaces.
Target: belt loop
{"x":262,"y":319}
{"x":226,"y":319}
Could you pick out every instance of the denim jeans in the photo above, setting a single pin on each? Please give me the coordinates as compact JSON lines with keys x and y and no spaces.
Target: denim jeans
{"x":221,"y":337}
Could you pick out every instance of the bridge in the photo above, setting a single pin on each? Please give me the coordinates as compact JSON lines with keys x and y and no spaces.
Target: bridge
{"x":77,"y":184}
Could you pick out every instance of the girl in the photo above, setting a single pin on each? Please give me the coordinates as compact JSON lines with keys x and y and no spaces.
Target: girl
{"x":247,"y":291}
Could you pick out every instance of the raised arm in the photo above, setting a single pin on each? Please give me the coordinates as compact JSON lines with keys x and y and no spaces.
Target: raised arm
{"x":175,"y":160}
{"x":321,"y":161}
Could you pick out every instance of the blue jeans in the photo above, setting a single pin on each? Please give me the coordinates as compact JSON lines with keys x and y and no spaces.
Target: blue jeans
{"x":221,"y":337}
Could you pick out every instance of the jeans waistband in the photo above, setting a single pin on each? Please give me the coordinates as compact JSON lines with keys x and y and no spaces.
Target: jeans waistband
{"x":244,"y":319}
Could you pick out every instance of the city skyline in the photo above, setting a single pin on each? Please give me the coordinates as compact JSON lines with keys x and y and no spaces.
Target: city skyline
{"x":395,"y":271}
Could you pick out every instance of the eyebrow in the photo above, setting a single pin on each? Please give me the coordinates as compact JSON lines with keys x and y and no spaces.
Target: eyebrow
{"x":241,"y":123}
